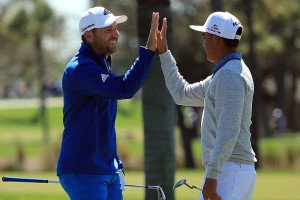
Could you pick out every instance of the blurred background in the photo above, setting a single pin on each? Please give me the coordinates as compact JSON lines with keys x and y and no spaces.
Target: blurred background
{"x":39,"y":37}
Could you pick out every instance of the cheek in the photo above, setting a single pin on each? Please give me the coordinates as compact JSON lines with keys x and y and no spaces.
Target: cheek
{"x":110,"y":36}
{"x":204,"y":44}
{"x":117,"y":34}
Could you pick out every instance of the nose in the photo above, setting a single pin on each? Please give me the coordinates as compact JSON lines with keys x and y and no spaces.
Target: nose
{"x":116,"y":33}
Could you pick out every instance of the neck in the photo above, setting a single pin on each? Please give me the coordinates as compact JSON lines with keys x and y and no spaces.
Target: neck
{"x":222,"y":53}
{"x":96,"y":51}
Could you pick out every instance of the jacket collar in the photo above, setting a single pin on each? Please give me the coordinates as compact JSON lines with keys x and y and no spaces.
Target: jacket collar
{"x":101,"y":60}
{"x":232,"y":56}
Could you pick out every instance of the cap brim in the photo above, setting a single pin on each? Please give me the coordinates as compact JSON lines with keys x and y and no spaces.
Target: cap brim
{"x":111,"y":20}
{"x":198,"y":28}
{"x":120,"y":19}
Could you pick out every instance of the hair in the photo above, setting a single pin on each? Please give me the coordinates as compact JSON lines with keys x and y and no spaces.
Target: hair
{"x":235,"y":42}
{"x":83,"y":38}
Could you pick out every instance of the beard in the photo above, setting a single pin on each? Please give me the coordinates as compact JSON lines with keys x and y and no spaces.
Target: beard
{"x":105,"y":46}
{"x":110,"y":50}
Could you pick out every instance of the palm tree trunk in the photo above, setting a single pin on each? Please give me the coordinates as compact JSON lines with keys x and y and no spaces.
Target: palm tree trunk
{"x":158,"y":110}
{"x":256,"y":77}
{"x":42,"y":84}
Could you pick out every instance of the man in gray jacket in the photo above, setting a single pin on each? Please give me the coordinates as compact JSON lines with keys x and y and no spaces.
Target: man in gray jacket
{"x":227,"y":97}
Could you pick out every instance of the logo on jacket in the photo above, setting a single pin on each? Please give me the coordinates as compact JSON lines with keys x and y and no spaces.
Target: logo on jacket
{"x":104,"y":77}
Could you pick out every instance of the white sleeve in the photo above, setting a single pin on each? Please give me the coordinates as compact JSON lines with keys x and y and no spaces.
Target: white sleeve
{"x":182,"y":92}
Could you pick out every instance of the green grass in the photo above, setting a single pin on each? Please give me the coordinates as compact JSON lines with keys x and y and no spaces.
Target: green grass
{"x":129,"y":115}
{"x":281,"y":152}
{"x":21,"y":129}
{"x":271,"y":185}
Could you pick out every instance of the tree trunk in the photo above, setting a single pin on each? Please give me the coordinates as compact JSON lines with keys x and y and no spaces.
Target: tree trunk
{"x":292,"y":106}
{"x":279,"y":74}
{"x":189,"y":131}
{"x":255,"y":73}
{"x":158,"y":109}
{"x":290,"y":58}
{"x":42,"y":84}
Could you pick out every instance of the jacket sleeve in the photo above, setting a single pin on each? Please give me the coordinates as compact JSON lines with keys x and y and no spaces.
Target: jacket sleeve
{"x":182,"y":92}
{"x":229,"y":101}
{"x":90,"y":79}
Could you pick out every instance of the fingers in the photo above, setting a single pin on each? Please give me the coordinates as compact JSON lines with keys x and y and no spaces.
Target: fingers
{"x":210,"y":190}
{"x":157,"y":39}
{"x":154,"y":22}
{"x":211,"y":196}
{"x":214,"y":196}
{"x":164,"y":29}
{"x":152,"y":38}
{"x":162,"y":45}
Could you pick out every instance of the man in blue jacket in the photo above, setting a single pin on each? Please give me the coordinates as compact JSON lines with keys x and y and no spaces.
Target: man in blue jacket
{"x":88,"y":164}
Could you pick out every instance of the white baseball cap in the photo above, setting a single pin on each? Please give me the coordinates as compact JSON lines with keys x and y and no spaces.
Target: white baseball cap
{"x":222,"y":24}
{"x":98,"y":17}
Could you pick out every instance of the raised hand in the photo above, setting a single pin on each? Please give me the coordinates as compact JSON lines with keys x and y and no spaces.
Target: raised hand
{"x":162,"y":45}
{"x":152,"y":39}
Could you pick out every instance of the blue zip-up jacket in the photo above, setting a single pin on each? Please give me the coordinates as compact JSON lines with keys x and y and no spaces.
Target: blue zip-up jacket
{"x":90,"y":93}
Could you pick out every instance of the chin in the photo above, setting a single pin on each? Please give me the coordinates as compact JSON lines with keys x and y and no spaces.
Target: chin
{"x":209,"y":59}
{"x":111,"y":51}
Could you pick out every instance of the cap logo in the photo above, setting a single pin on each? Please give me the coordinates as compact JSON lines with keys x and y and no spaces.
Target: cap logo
{"x":236,"y":23}
{"x":214,"y":29}
{"x":89,"y":26}
{"x":106,"y":12}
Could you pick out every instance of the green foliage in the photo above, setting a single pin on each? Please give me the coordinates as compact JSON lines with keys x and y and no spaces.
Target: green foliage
{"x":43,"y":19}
{"x":42,"y":12}
{"x":22,"y":23}
{"x":281,"y":152}
{"x":19,"y":24}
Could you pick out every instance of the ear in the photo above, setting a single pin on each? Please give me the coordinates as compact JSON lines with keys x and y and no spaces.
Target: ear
{"x":217,"y":40}
{"x":88,"y":35}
